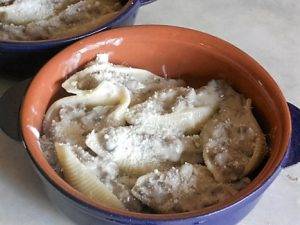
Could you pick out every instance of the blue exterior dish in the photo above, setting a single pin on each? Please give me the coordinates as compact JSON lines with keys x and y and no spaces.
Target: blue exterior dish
{"x":86,"y":215}
{"x":126,"y":17}
{"x":36,"y":53}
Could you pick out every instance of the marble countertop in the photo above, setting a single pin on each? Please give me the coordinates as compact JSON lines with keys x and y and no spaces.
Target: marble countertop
{"x":268,"y":30}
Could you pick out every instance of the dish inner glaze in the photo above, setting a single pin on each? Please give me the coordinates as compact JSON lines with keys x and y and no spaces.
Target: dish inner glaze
{"x":24,"y":20}
{"x":129,"y":139}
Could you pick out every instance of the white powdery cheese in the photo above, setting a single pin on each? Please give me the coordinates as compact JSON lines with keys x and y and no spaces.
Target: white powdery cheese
{"x":151,"y":141}
{"x":137,"y":150}
{"x":182,"y":110}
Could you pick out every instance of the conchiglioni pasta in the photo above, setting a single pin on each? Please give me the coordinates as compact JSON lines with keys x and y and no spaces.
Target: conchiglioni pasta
{"x":140,"y":83}
{"x":107,"y":102}
{"x":132,"y":140}
{"x":233,"y":143}
{"x":81,"y":179}
{"x":181,"y":189}
{"x":138,"y":151}
{"x":189,"y":108}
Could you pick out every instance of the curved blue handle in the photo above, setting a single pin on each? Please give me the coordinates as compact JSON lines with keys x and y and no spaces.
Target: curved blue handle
{"x":145,"y":2}
{"x":10,"y":103}
{"x":293,"y":155}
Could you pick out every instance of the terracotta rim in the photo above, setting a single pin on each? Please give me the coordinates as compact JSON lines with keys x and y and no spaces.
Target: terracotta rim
{"x":266,"y":173}
{"x":101,"y":26}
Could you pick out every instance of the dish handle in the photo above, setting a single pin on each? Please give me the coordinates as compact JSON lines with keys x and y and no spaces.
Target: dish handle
{"x":10,"y":103}
{"x":293,"y":155}
{"x":145,"y":2}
